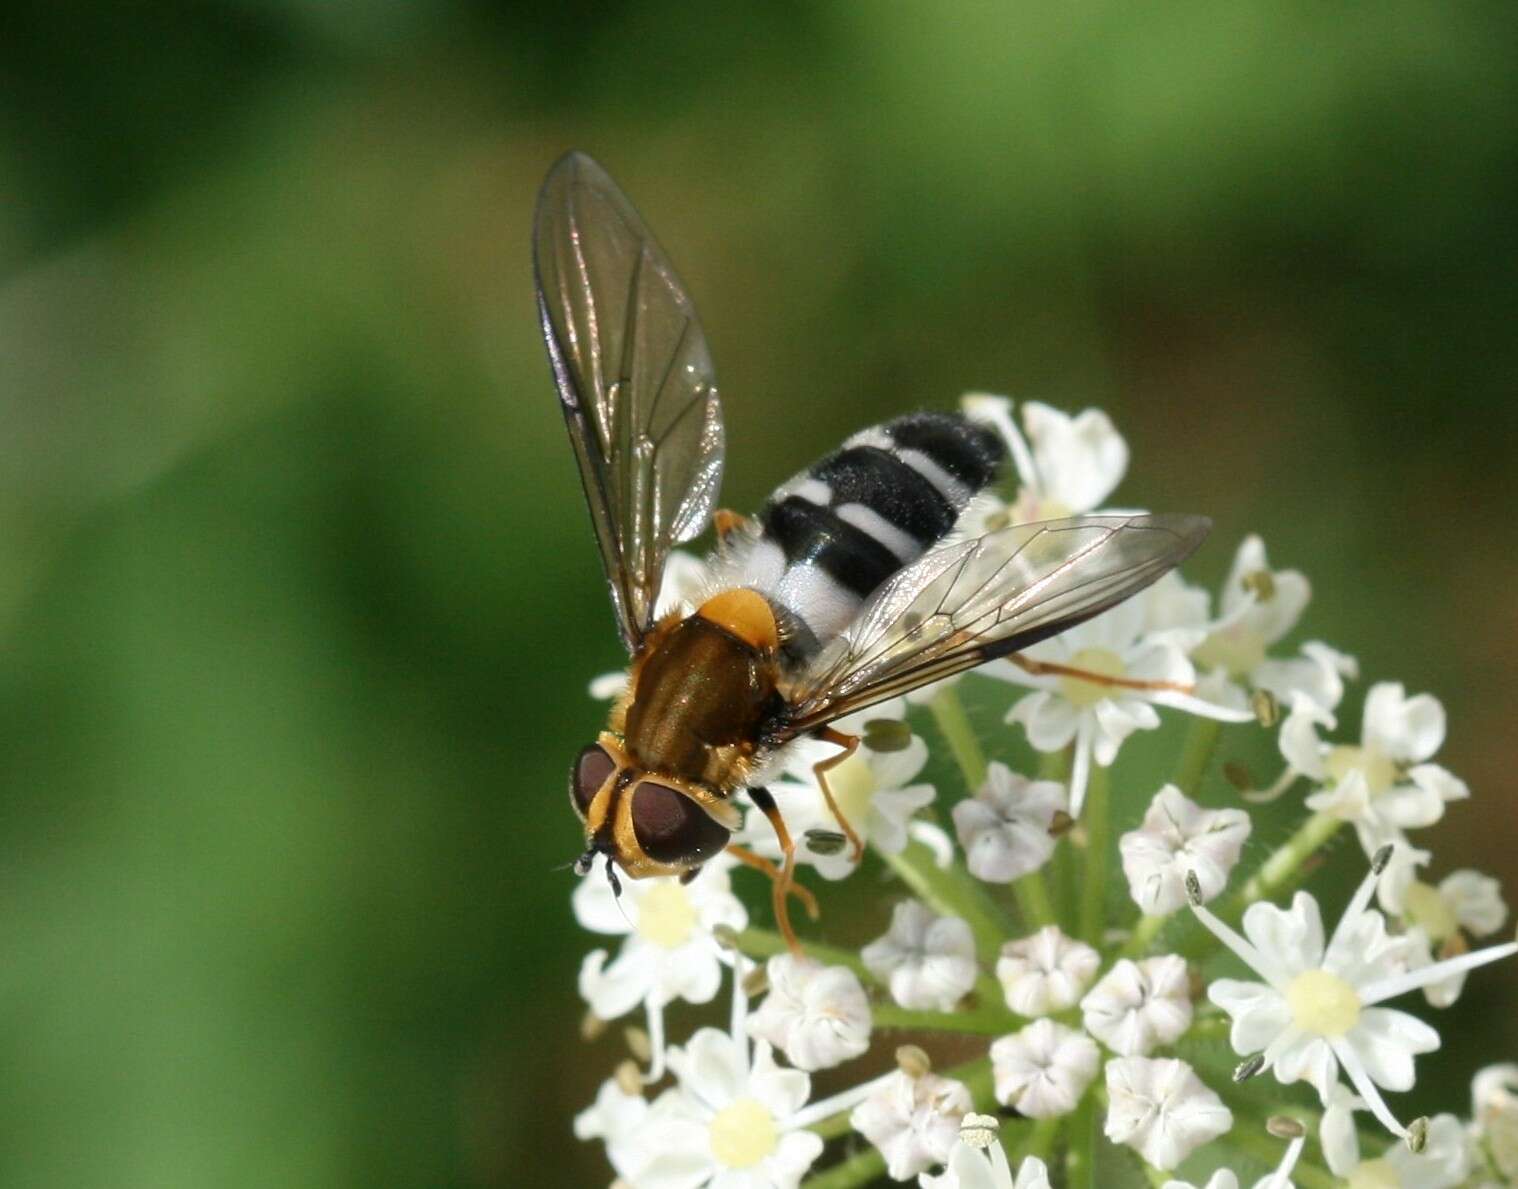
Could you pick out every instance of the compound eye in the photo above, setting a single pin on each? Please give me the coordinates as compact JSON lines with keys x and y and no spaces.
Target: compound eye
{"x":671,"y":828}
{"x":589,"y":773}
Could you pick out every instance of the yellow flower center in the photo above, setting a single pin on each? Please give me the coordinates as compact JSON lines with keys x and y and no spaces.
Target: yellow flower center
{"x":1323,"y":1003}
{"x":744,"y":1134}
{"x":1237,"y":650}
{"x":852,"y":784}
{"x":1380,"y":773}
{"x":666,"y":917}
{"x":1375,"y":1174}
{"x":1080,"y":692}
{"x":1426,"y":907}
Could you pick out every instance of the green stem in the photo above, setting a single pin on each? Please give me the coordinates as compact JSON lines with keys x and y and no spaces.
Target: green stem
{"x":1080,"y":1152}
{"x":1147,"y":929}
{"x":856,"y":1170}
{"x":954,"y":723}
{"x":1278,"y":871}
{"x":949,"y":713}
{"x":985,"y":1020}
{"x":833,"y":1126}
{"x":952,"y":891}
{"x":1040,"y":1141}
{"x":1196,"y":754}
{"x":1097,"y":818}
{"x":1033,"y":903}
{"x":761,"y":943}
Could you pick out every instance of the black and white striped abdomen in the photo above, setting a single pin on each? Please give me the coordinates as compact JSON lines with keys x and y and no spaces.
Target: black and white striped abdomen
{"x":841,"y":528}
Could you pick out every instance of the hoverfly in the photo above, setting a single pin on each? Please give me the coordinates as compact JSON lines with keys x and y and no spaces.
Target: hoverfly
{"x":849,"y":587}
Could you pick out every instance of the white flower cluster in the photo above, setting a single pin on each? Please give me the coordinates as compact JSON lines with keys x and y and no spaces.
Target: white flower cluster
{"x":1076,"y":1018}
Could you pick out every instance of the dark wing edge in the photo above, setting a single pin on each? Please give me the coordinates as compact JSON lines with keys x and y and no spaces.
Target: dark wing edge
{"x":971,"y":601}
{"x":634,"y":378}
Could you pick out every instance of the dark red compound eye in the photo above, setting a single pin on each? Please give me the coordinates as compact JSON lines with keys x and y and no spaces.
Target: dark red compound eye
{"x":589,"y":773}
{"x":671,"y":828}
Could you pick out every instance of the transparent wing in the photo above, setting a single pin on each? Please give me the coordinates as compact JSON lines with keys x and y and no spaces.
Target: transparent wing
{"x":968,"y":602}
{"x":634,"y":377}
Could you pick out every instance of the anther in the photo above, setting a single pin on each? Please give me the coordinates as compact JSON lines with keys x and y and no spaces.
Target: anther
{"x":887,"y":734}
{"x":1417,"y":1135}
{"x":1382,"y":858}
{"x":591,"y":1026}
{"x":638,"y":1044}
{"x":913,"y":1062}
{"x":1261,"y":584}
{"x":1267,"y":710}
{"x":1193,"y":889}
{"x":725,"y":936}
{"x":629,"y":1078}
{"x":979,"y":1131}
{"x":1247,"y":1068}
{"x":825,"y":842}
{"x":756,"y":982}
{"x":1284,"y":1127}
{"x":1238,"y":775}
{"x":1060,"y":824}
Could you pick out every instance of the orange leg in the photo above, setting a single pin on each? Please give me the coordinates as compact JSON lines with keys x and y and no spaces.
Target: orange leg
{"x":759,"y":863}
{"x":727,"y":522}
{"x":850,"y":744}
{"x":1049,"y":668}
{"x":780,"y":890}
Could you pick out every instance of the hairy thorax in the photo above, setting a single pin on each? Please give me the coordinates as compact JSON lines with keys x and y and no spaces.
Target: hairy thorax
{"x":702,"y":689}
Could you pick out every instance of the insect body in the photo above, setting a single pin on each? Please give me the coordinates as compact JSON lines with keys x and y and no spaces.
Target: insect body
{"x":849,"y":588}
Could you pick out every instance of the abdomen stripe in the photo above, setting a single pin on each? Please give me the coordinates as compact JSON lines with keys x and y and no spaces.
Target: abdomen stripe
{"x":886,"y":485}
{"x":813,"y":536}
{"x":836,"y":532}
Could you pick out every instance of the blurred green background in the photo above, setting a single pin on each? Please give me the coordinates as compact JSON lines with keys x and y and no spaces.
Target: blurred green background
{"x":298,"y":601}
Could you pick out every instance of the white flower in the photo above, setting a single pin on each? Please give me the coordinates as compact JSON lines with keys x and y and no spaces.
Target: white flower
{"x":1139,"y":1005}
{"x":1443,"y":1163}
{"x":1317,"y":1007}
{"x":1494,"y":1115}
{"x":1318,"y":674}
{"x":1176,"y":836}
{"x":1440,"y":920}
{"x":873,"y":790}
{"x":730,"y":1123}
{"x":1004,"y":828}
{"x":1385,"y":785}
{"x":818,"y":1016}
{"x":1074,"y":462}
{"x":1161,"y":1109}
{"x":617,"y":1118}
{"x":1098,"y":717}
{"x":1044,"y":1069}
{"x":1257,"y":608}
{"x":1045,"y":972}
{"x":914,"y":1121}
{"x":974,"y":1167}
{"x":927,"y":960}
{"x":668,"y":952}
